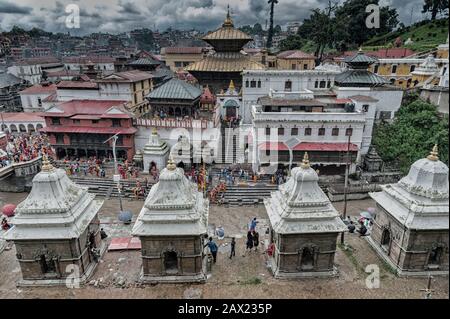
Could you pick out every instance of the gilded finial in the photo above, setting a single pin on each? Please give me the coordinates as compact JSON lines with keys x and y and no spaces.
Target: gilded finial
{"x":171,"y":164}
{"x":231,"y":87}
{"x":46,"y":165}
{"x":434,"y":154}
{"x":360,"y":50}
{"x":305,"y":162}
{"x":228,"y":22}
{"x":154,"y":131}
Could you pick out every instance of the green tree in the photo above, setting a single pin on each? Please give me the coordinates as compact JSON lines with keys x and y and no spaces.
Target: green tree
{"x":411,"y":136}
{"x":351,"y":21}
{"x":435,"y":7}
{"x":257,"y":29}
{"x":270,"y":34}
{"x":292,"y":42}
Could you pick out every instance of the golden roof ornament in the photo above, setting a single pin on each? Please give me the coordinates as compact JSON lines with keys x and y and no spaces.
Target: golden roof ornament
{"x":228,"y":22}
{"x":305,"y":162}
{"x":154,"y":131}
{"x":434,"y":154}
{"x":171,"y":164}
{"x":46,"y":165}
{"x":231,"y":87}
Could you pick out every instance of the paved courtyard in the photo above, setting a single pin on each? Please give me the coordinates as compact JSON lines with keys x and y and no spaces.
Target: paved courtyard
{"x":241,"y":277}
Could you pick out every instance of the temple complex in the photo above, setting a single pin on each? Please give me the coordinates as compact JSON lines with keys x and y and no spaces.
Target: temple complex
{"x":56,"y":230}
{"x":227,"y":62}
{"x":303,"y":226}
{"x":410,"y":230}
{"x":171,"y":226}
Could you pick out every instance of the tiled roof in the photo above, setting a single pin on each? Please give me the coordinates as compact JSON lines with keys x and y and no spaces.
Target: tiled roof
{"x":89,"y":129}
{"x":39,"y":60}
{"x":227,"y":33}
{"x":77,"y":84}
{"x":89,"y":107}
{"x":127,"y":76}
{"x":39,"y":89}
{"x":22,"y":117}
{"x":63,"y":73}
{"x":144,"y":61}
{"x":87,"y":59}
{"x":359,"y":77}
{"x":295,"y":54}
{"x":7,"y":79}
{"x":176,"y":89}
{"x":225,"y":62}
{"x":336,"y":147}
{"x":360,"y":58}
{"x":183,"y":50}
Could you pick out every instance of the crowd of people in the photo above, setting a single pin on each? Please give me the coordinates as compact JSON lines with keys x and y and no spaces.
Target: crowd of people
{"x":25,"y":147}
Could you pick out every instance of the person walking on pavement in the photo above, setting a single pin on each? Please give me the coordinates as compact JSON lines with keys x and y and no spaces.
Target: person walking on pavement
{"x":255,"y":236}
{"x":233,"y":248}
{"x":212,"y":248}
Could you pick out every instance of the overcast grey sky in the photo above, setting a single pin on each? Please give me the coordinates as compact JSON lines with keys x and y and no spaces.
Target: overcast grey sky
{"x":123,"y":15}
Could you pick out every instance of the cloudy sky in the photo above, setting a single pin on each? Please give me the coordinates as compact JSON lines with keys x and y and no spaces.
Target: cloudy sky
{"x":116,"y":16}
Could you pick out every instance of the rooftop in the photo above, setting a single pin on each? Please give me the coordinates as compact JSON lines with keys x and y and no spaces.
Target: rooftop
{"x":7,"y":80}
{"x":127,"y":76}
{"x":295,"y":54}
{"x":176,"y":89}
{"x":91,"y":107}
{"x":183,"y":50}
{"x":77,"y":85}
{"x":40,"y":89}
{"x":225,"y":62}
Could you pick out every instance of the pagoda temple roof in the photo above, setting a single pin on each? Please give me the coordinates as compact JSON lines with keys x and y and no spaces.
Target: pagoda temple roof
{"x":227,"y":33}
{"x":360,"y":58}
{"x":176,"y":89}
{"x":360,"y":77}
{"x":225,"y":62}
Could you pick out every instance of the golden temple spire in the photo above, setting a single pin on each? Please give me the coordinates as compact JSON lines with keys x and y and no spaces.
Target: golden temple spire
{"x":231,"y":87}
{"x":46,"y":165}
{"x":228,"y":22}
{"x":434,"y":154}
{"x":171,"y":164}
{"x":154,"y":131}
{"x":305,"y":162}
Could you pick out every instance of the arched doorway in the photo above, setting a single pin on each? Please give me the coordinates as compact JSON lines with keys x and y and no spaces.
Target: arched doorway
{"x":386,"y":239}
{"x":38,"y":127}
{"x":230,"y":108}
{"x":307,"y":258}
{"x":13,"y":128}
{"x":22,"y":128}
{"x":170,"y":262}
{"x":31,"y":128}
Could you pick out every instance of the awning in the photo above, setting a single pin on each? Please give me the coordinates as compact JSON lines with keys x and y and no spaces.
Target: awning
{"x":326,"y":147}
{"x":273,"y":146}
{"x":88,"y":129}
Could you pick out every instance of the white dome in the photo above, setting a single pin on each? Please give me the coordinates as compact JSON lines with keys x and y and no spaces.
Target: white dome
{"x":427,"y":177}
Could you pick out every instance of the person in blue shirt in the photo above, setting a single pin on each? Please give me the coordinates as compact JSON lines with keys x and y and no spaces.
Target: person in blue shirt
{"x":212,"y":248}
{"x":253,"y":224}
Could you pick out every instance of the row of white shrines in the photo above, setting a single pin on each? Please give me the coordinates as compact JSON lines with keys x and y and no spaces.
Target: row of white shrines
{"x":57,"y":226}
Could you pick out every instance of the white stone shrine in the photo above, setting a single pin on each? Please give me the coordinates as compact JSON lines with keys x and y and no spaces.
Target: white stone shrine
{"x":156,"y":151}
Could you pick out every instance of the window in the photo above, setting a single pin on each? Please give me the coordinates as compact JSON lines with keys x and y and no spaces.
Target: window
{"x":305,"y":66}
{"x":76,"y":121}
{"x":247,"y":84}
{"x":288,"y":86}
{"x":294,"y":131}
{"x":329,"y":84}
{"x":253,"y":83}
{"x":267,"y":130}
{"x":94,"y":121}
{"x":365,"y":108}
{"x":116,"y":123}
{"x":375,"y":68}
{"x":349,"y":132}
{"x":308,"y":131}
{"x":178,"y":64}
{"x":412,"y":68}
{"x":259,"y":83}
{"x":385,"y":115}
{"x":322,"y":84}
{"x":56,"y":121}
{"x":294,"y":67}
{"x":394,"y":69}
{"x":59,"y":138}
{"x":335,"y":131}
{"x":39,"y":101}
{"x":281,"y":131}
{"x":316,"y":84}
{"x":119,"y":140}
{"x":267,"y":152}
{"x":321,"y":131}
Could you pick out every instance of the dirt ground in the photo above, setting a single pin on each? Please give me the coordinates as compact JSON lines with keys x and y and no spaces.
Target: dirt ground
{"x":241,"y":277}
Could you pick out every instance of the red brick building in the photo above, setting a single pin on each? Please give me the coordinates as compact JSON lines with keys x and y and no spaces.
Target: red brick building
{"x":79,"y":128}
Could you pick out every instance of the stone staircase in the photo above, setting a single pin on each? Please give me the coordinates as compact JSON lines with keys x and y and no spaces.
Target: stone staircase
{"x":229,"y":150}
{"x":107,"y":188}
